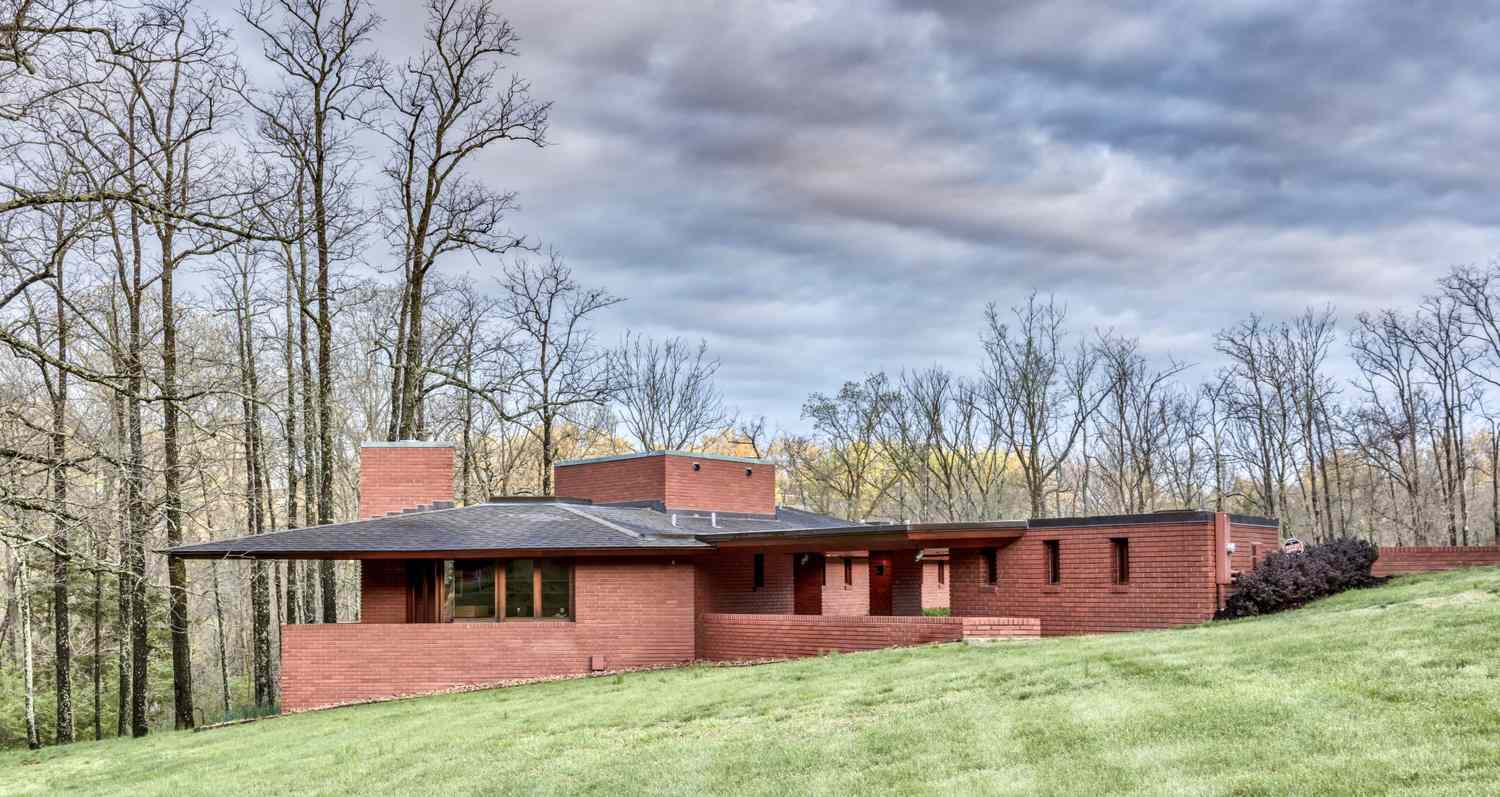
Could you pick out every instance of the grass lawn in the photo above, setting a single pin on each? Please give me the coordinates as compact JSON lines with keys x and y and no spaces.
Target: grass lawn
{"x":1388,"y":690}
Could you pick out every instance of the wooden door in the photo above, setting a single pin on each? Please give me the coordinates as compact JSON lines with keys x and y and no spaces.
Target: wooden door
{"x":880,"y":583}
{"x":424,"y":584}
{"x":808,"y":573}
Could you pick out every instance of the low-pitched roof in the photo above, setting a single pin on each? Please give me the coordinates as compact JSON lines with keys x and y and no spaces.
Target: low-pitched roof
{"x":564,"y":526}
{"x":506,"y":525}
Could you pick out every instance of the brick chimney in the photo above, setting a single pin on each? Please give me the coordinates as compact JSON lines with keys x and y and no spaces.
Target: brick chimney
{"x":675,"y":480}
{"x":404,"y":475}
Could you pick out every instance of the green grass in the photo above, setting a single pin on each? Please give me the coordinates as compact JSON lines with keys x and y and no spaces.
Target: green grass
{"x":1394,"y":690}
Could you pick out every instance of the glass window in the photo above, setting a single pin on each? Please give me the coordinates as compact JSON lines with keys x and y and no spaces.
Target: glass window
{"x":557,"y":590}
{"x":1121,"y":549}
{"x":758,"y":576}
{"x":991,"y":566}
{"x":1054,"y":561}
{"x":519,"y":588}
{"x":942,"y":572}
{"x":470,"y":589}
{"x":848,"y":570}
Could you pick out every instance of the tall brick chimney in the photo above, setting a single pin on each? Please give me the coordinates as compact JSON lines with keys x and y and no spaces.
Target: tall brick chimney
{"x":405,"y":475}
{"x":673,"y":480}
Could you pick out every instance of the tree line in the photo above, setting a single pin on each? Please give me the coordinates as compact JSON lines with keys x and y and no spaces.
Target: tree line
{"x":1395,"y":442}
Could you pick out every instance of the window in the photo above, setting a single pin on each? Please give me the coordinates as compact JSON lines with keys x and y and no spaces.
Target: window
{"x":1054,"y":561}
{"x":469,"y":588}
{"x":942,"y":572}
{"x":525,"y":588}
{"x":759,"y":576}
{"x":520,"y":594}
{"x":557,"y":590}
{"x":1120,"y":559}
{"x":991,"y":566}
{"x":848,"y":571}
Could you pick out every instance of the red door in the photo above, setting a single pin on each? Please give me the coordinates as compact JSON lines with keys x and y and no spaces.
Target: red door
{"x":808,"y":572}
{"x":880,"y":584}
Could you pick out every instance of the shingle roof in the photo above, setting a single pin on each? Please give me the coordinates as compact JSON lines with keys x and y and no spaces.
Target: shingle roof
{"x":505,"y":526}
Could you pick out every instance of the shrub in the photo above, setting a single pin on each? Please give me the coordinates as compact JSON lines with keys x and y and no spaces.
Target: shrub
{"x":1288,"y":580}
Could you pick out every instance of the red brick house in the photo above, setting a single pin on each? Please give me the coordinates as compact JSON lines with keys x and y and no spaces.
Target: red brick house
{"x":665,"y":558}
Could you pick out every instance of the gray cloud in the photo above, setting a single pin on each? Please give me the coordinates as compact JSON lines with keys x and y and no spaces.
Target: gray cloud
{"x":821,"y":189}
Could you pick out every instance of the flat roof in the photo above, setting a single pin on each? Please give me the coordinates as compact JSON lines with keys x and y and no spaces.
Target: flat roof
{"x":643,"y":454}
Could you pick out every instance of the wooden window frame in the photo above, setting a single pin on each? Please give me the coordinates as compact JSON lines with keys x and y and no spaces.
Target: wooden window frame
{"x":536,"y":590}
{"x":442,"y":589}
{"x":1119,"y":561}
{"x":1052,"y":561}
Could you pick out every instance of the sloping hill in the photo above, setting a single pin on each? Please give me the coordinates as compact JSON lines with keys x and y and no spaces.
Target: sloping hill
{"x":1388,"y":690}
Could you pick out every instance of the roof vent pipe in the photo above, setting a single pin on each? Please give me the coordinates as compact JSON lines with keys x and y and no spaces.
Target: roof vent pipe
{"x":713,"y":519}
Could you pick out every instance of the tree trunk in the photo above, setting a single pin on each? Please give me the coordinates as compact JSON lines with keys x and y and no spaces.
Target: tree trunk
{"x":62,"y":630}
{"x":98,"y":668}
{"x":260,"y":597}
{"x":325,"y":363}
{"x":177,"y":586}
{"x":310,"y":436}
{"x":28,"y":677}
{"x":135,"y":488}
{"x":122,"y":579}
{"x":213,"y":571}
{"x":293,"y":598}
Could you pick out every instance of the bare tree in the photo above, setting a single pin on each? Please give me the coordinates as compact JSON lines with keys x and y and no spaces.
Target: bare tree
{"x":1134,"y":422}
{"x":666,"y":392}
{"x":1039,"y":394}
{"x":453,"y":102}
{"x":329,"y":79}
{"x":1392,"y":408}
{"x":557,"y":365}
{"x":848,"y":459}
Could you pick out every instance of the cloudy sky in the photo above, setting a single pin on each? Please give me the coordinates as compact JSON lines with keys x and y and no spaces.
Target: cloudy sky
{"x":822,"y":189}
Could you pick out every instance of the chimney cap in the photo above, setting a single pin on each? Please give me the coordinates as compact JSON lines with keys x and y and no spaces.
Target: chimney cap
{"x":643,"y":454}
{"x":406,"y":444}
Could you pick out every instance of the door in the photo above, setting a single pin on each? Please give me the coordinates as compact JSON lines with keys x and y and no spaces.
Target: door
{"x":880,"y":583}
{"x":424,"y":579}
{"x":809,"y":570}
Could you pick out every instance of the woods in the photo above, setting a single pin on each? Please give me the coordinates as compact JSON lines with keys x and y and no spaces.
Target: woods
{"x":214,"y":287}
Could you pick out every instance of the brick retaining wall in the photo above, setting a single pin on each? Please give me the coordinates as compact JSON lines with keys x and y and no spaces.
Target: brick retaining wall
{"x":1426,"y":559}
{"x":731,"y":637}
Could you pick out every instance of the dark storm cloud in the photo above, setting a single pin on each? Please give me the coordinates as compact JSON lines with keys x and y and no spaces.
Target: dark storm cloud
{"x":822,"y":189}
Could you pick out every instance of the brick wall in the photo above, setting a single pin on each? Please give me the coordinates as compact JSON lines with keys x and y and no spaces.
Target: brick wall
{"x":720,"y":485}
{"x":729,"y":583}
{"x":717,"y":486}
{"x":934,"y":593}
{"x":612,"y":481}
{"x":738,"y":637}
{"x":382,"y":591}
{"x":1172,"y":579}
{"x":847,"y":599}
{"x":405,"y":475}
{"x":1426,"y":559}
{"x":727,"y":577}
{"x":1251,"y":545}
{"x":906,"y":583}
{"x":634,"y":612}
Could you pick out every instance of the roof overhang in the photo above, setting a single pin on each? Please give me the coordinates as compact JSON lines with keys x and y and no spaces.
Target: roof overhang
{"x":884,"y":535}
{"x":462,"y":553}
